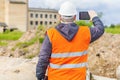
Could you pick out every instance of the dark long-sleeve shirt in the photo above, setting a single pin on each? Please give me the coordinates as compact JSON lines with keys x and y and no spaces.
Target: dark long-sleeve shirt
{"x":65,"y":30}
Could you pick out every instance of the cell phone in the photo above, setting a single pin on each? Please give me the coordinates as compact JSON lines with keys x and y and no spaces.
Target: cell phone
{"x":84,"y":16}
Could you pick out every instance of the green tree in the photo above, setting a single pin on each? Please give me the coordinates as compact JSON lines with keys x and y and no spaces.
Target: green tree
{"x":112,"y":26}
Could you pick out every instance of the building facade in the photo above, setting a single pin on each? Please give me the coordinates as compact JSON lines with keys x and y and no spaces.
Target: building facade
{"x":44,"y":17}
{"x":14,"y":13}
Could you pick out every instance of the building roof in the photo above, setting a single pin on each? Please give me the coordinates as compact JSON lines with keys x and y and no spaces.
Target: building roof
{"x":43,"y":10}
{"x":18,"y":1}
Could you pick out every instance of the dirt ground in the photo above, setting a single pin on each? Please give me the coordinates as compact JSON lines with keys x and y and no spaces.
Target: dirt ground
{"x":104,"y":55}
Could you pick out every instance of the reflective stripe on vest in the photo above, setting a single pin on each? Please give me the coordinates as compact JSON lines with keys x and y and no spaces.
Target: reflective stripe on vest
{"x":70,"y":54}
{"x":80,"y":65}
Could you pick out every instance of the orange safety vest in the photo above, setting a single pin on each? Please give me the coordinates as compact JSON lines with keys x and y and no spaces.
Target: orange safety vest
{"x":69,"y":58}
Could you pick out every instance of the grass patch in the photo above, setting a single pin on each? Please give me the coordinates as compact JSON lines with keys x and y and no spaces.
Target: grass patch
{"x":83,"y":23}
{"x":2,"y":43}
{"x":30,"y":56}
{"x":13,"y":49}
{"x":27,"y":43}
{"x":15,"y":35}
{"x":115,"y":30}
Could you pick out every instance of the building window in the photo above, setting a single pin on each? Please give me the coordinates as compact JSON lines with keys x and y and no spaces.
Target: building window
{"x":41,"y":22}
{"x":45,"y":22}
{"x":46,"y":15}
{"x":50,"y":22}
{"x":55,"y":16}
{"x":41,"y":15}
{"x":50,"y":15}
{"x":31,"y":15}
{"x":31,"y":22}
{"x":36,"y":22}
{"x":36,"y":15}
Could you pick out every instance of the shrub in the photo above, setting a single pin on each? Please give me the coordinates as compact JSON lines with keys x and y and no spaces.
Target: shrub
{"x":115,"y":30}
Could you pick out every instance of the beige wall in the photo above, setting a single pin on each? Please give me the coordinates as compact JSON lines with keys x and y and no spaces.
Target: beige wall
{"x":50,"y":21}
{"x":17,"y":16}
{"x":14,"y":13}
{"x":2,"y":10}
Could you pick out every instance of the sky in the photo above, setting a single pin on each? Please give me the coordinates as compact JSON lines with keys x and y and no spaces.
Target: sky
{"x":109,"y":8}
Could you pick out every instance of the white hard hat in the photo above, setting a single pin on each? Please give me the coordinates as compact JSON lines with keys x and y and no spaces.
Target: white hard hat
{"x":67,"y":9}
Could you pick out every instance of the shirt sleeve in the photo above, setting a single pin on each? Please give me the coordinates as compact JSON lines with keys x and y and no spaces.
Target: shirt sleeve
{"x":97,"y":30}
{"x":44,"y":56}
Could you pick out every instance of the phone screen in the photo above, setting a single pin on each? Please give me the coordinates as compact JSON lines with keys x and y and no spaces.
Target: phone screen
{"x":84,"y":16}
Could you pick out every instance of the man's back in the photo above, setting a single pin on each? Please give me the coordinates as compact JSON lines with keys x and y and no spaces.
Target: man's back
{"x":69,"y":58}
{"x":64,"y":50}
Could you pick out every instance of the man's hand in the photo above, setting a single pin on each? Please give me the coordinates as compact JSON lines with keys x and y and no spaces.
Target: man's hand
{"x":92,"y":14}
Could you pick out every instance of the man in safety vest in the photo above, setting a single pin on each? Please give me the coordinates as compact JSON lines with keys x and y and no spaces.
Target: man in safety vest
{"x":64,"y":51}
